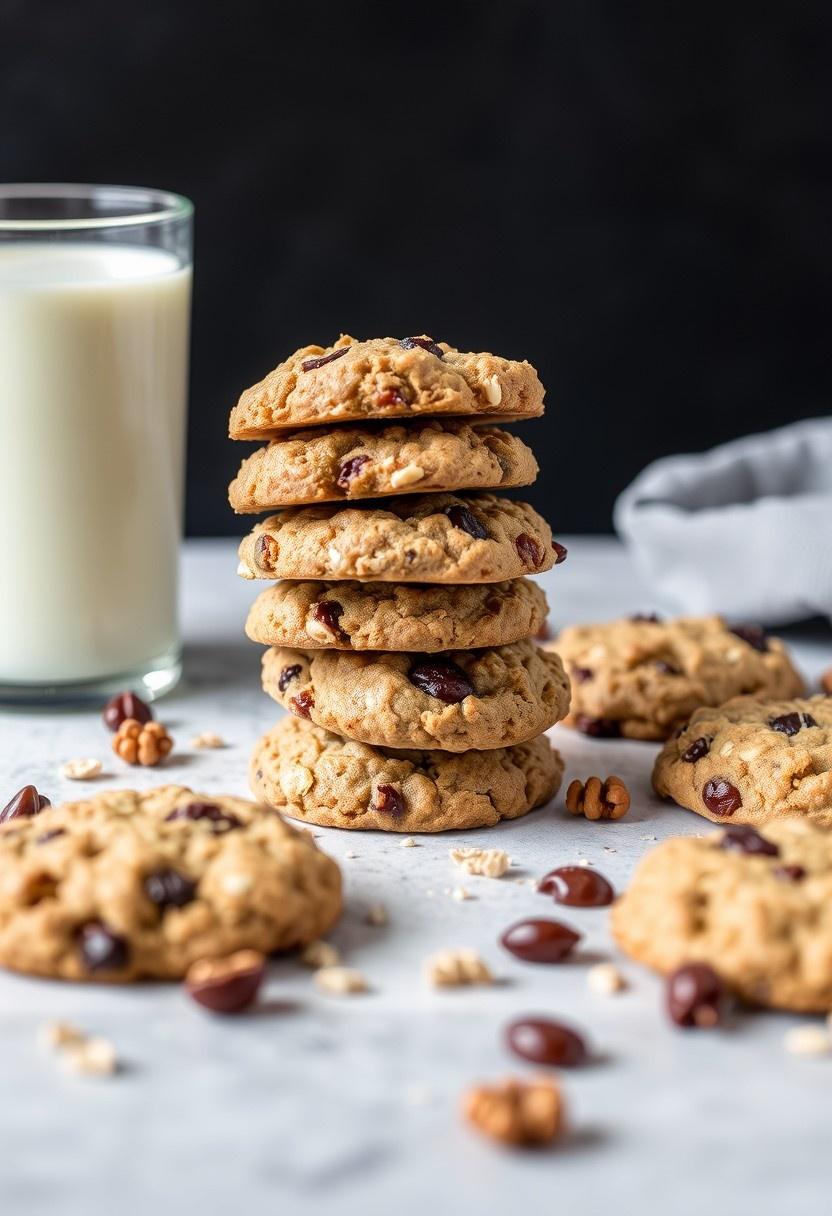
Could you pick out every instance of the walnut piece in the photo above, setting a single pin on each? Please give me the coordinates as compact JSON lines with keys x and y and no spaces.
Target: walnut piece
{"x":319,"y":954}
{"x":516,"y":1112}
{"x":340,"y":981}
{"x":81,"y":770}
{"x":144,"y":744}
{"x":207,"y":740}
{"x":92,"y":1058}
{"x":454,"y":968}
{"x":597,"y":799}
{"x":489,"y":863}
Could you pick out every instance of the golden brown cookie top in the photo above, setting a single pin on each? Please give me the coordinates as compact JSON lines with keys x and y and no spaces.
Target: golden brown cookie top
{"x":385,"y":378}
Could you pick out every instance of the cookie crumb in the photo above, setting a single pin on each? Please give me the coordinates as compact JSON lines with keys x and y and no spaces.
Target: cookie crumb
{"x":95,"y":1057}
{"x":340,"y":981}
{"x":350,"y":855}
{"x":605,"y":979}
{"x":319,"y":954}
{"x":460,"y":894}
{"x":60,"y":1034}
{"x":82,"y":770}
{"x":516,"y":1112}
{"x":455,"y":968}
{"x":207,"y":741}
{"x":408,"y":843}
{"x":488,"y":863}
{"x":377,"y":915}
{"x":807,"y":1040}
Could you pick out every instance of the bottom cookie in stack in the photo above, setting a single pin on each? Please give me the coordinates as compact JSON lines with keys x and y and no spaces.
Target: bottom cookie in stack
{"x":310,"y":774}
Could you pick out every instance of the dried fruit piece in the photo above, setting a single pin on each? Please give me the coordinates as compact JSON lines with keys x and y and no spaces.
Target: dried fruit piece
{"x":826,"y":681}
{"x":561,"y":552}
{"x":220,"y":820}
{"x":516,"y":1112}
{"x":424,"y":342}
{"x":287,"y":675}
{"x":721,"y":797}
{"x":790,"y":724}
{"x":126,"y":705}
{"x":328,"y":613}
{"x":529,"y":551}
{"x":545,"y":1041}
{"x":741,"y":838}
{"x":597,"y":728}
{"x":699,"y":748}
{"x":754,"y":635}
{"x":540,"y":940}
{"x":25,"y":803}
{"x":793,"y":873}
{"x":389,"y":801}
{"x":101,"y":948}
{"x":303,"y":703}
{"x":226,"y":985}
{"x":596,"y":799}
{"x":349,"y":470}
{"x":581,"y":674}
{"x":266,"y":552}
{"x":442,"y":679}
{"x":577,"y":887}
{"x":695,"y":996}
{"x":167,"y":888}
{"x":309,"y":365}
{"x":390,"y":396}
{"x":466,"y":520}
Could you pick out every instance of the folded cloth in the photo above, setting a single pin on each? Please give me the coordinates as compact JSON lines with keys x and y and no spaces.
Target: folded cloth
{"x":744,"y":529}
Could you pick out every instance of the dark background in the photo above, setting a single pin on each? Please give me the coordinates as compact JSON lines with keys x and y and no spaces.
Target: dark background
{"x":634,"y":196}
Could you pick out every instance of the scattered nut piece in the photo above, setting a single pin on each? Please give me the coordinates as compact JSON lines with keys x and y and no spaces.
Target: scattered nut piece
{"x":461,"y":894}
{"x":60,"y":1034}
{"x":350,"y":855}
{"x":605,"y":979}
{"x":207,"y":740}
{"x":226,"y":985}
{"x":516,"y":1112}
{"x":454,"y":968}
{"x":597,"y":799}
{"x":377,"y":915}
{"x":826,"y":682}
{"x":340,"y":981}
{"x":489,"y":863}
{"x":319,"y":954}
{"x":81,"y":770}
{"x":807,"y":1040}
{"x":94,"y":1057}
{"x":408,"y":843}
{"x":407,"y":476}
{"x":144,"y":744}
{"x":493,"y":390}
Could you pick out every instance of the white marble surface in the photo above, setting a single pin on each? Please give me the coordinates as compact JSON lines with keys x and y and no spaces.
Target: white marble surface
{"x":350,"y":1106}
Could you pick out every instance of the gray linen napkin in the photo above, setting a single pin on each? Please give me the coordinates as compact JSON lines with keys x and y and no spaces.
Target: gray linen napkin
{"x":744,"y":529}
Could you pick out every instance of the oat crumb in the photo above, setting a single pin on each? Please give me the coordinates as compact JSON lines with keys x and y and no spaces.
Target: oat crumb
{"x":377,"y":915}
{"x":350,"y":855}
{"x":82,"y":770}
{"x":207,"y":740}
{"x":319,"y":954}
{"x":60,"y":1034}
{"x":488,"y":863}
{"x":807,"y":1040}
{"x":408,"y":843}
{"x":340,"y":981}
{"x":461,"y":894}
{"x":605,"y":979}
{"x":454,"y":968}
{"x":93,"y":1057}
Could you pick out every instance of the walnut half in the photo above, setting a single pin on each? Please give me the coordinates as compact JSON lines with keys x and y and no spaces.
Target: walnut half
{"x":597,"y":799}
{"x":517,"y":1112}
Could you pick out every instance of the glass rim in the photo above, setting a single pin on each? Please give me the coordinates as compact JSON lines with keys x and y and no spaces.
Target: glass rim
{"x":158,"y":206}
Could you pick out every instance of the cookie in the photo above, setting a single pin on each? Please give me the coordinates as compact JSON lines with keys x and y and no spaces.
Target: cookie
{"x":430,"y":538}
{"x":752,"y":761}
{"x":127,"y":886}
{"x":316,"y":776}
{"x":385,"y":378}
{"x":458,"y":700}
{"x":391,"y":616}
{"x":642,"y":678}
{"x":758,"y":910}
{"x":361,"y":462}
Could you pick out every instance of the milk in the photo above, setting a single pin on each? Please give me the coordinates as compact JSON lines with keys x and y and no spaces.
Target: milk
{"x":93,"y":371}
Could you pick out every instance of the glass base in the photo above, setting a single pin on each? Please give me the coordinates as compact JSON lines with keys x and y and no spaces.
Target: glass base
{"x":152,"y":680}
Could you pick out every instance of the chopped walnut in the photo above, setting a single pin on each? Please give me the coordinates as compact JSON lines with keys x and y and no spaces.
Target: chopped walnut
{"x":489,"y":863}
{"x":455,"y":968}
{"x":340,"y":981}
{"x":597,"y":799}
{"x":207,"y":741}
{"x":517,"y":1112}
{"x":493,"y":390}
{"x":82,"y":770}
{"x":91,"y":1057}
{"x":408,"y":476}
{"x":144,"y":744}
{"x":408,"y":843}
{"x":319,"y":954}
{"x":807,"y":1040}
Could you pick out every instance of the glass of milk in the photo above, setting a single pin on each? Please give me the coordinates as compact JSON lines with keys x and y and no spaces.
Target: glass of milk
{"x":95,"y":287}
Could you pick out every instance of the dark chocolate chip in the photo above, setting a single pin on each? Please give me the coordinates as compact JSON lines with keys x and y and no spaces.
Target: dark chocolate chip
{"x":123,"y":706}
{"x":560,"y":552}
{"x":741,"y":838}
{"x":101,"y":948}
{"x":790,"y":724}
{"x":169,"y":889}
{"x":544,"y":1041}
{"x":789,"y":873}
{"x":577,"y":887}
{"x":227,"y":985}
{"x":581,"y":674}
{"x":539,"y":940}
{"x":309,"y":365}
{"x":695,"y":996}
{"x":699,"y":748}
{"x":424,"y":343}
{"x":647,"y":618}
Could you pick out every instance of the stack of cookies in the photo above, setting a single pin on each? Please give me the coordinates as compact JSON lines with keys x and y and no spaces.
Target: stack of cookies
{"x":401,"y":633}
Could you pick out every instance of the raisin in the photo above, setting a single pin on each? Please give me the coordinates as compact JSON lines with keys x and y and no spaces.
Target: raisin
{"x":754,"y":635}
{"x":597,"y":728}
{"x":303,"y":703}
{"x":223,"y":821}
{"x":790,"y":724}
{"x":467,"y":521}
{"x":328,"y":613}
{"x":441,"y":679}
{"x":560,"y":552}
{"x":169,"y":889}
{"x":349,"y":470}
{"x":101,"y":948}
{"x":741,"y":838}
{"x":529,"y":551}
{"x":699,"y":748}
{"x":389,"y":801}
{"x":425,"y":343}
{"x":287,"y":675}
{"x":309,"y":365}
{"x":721,"y":797}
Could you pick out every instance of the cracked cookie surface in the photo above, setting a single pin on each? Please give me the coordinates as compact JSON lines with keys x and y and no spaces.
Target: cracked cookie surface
{"x":456,"y":700}
{"x":125,"y":885}
{"x":359,"y":462}
{"x":390,"y":616}
{"x":385,"y":378}
{"x":775,"y":755}
{"x":429,"y":538}
{"x":316,"y":776}
{"x":762,"y":921}
{"x":642,"y":678}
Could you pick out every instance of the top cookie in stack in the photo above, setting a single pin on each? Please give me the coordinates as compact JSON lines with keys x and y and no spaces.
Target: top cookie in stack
{"x":406,"y":623}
